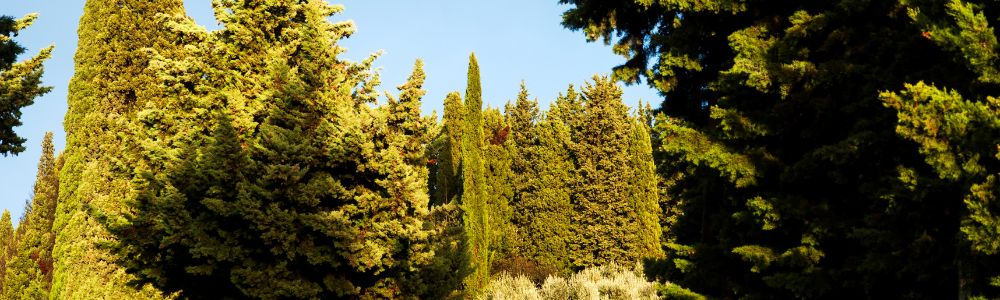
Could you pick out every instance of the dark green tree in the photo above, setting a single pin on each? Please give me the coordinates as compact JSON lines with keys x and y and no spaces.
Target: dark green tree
{"x":786,"y":175}
{"x":29,"y":271}
{"x":498,"y":178}
{"x":20,"y":82}
{"x":118,"y":40}
{"x":449,"y":160}
{"x":301,"y":189}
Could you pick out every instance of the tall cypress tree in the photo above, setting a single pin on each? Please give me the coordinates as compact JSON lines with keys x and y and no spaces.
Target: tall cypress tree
{"x":474,"y":203}
{"x":498,"y":188}
{"x":20,"y":82}
{"x":110,"y":83}
{"x":29,"y":273}
{"x":8,"y":241}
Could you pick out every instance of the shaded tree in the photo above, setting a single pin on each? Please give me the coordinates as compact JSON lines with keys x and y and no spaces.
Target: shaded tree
{"x":20,"y":82}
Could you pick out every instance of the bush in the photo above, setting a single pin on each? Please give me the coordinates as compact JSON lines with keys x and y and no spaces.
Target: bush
{"x":607,"y":282}
{"x":517,"y":266}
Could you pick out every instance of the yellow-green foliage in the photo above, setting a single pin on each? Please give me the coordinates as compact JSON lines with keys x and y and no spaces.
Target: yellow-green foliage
{"x":605,"y":282}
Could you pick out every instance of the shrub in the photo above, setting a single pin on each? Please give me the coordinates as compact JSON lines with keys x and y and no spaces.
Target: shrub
{"x":607,"y":282}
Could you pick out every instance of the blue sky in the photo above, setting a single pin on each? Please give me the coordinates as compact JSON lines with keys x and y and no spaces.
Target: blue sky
{"x":514,"y":40}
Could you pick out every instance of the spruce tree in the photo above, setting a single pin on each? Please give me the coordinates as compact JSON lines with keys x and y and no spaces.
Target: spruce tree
{"x":29,"y":272}
{"x":20,"y":82}
{"x":302,"y":189}
{"x":476,"y":211}
{"x":110,"y":83}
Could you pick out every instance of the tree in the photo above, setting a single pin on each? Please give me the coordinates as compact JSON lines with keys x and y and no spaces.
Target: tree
{"x":543,"y":178}
{"x":302,"y":189}
{"x":476,"y":212}
{"x":608,"y":199}
{"x":20,"y":82}
{"x":786,"y":176}
{"x":498,"y":182}
{"x":8,"y":240}
{"x":449,"y":160}
{"x":110,"y":84}
{"x":957,"y":129}
{"x":29,"y":272}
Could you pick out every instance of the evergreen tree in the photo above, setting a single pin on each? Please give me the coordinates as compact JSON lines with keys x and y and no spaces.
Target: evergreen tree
{"x":609,"y":222}
{"x":957,"y":129}
{"x":20,"y":82}
{"x":303,"y":190}
{"x":543,"y":177}
{"x":786,"y":174}
{"x":449,"y":160}
{"x":111,"y":82}
{"x":498,"y":178}
{"x":476,"y":212}
{"x":8,"y":240}
{"x":29,"y":272}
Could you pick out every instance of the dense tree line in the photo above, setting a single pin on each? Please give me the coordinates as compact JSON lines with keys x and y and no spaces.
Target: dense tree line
{"x":843,"y":149}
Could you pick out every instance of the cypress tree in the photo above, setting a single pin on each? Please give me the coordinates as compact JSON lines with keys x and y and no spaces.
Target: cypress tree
{"x":498,"y":182}
{"x":450,"y":158}
{"x":29,"y":273}
{"x":20,"y":82}
{"x":608,"y":224}
{"x":477,"y":214}
{"x":110,"y":83}
{"x":302,"y":190}
{"x":8,"y":241}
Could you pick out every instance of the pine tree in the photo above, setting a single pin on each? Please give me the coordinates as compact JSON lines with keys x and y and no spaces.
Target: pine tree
{"x":20,"y":82}
{"x":302,"y":190}
{"x":29,"y":272}
{"x":786,"y":175}
{"x":608,"y":223}
{"x":111,"y":82}
{"x":476,"y":213}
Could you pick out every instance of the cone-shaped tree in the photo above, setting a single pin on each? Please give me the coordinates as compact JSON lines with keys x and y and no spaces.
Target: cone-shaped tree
{"x":20,"y":82}
{"x":498,"y":188}
{"x":608,"y":221}
{"x":303,"y":190}
{"x":449,"y":160}
{"x":476,"y":212}
{"x":8,"y":241}
{"x":29,"y":272}
{"x":110,"y":83}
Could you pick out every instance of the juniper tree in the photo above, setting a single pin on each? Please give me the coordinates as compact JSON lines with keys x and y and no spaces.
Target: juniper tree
{"x":20,"y":82}
{"x":29,"y":271}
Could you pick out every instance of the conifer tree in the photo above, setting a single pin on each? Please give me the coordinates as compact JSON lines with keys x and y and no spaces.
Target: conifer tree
{"x":543,"y":171}
{"x":476,"y":211}
{"x":110,"y":83}
{"x":449,"y":178}
{"x":788,"y":176}
{"x":608,"y":221}
{"x":20,"y":82}
{"x":29,"y":272}
{"x":8,"y":240}
{"x":498,"y":188}
{"x":302,"y":190}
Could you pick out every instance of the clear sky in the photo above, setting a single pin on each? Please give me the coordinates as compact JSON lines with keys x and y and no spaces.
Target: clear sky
{"x":514,"y":40}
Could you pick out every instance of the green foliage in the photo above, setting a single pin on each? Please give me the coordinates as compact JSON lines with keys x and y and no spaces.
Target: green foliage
{"x":475,"y":206}
{"x":615,"y":190}
{"x":786,"y":174}
{"x":29,"y":271}
{"x":110,"y":84}
{"x":272,"y":176}
{"x":20,"y":82}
